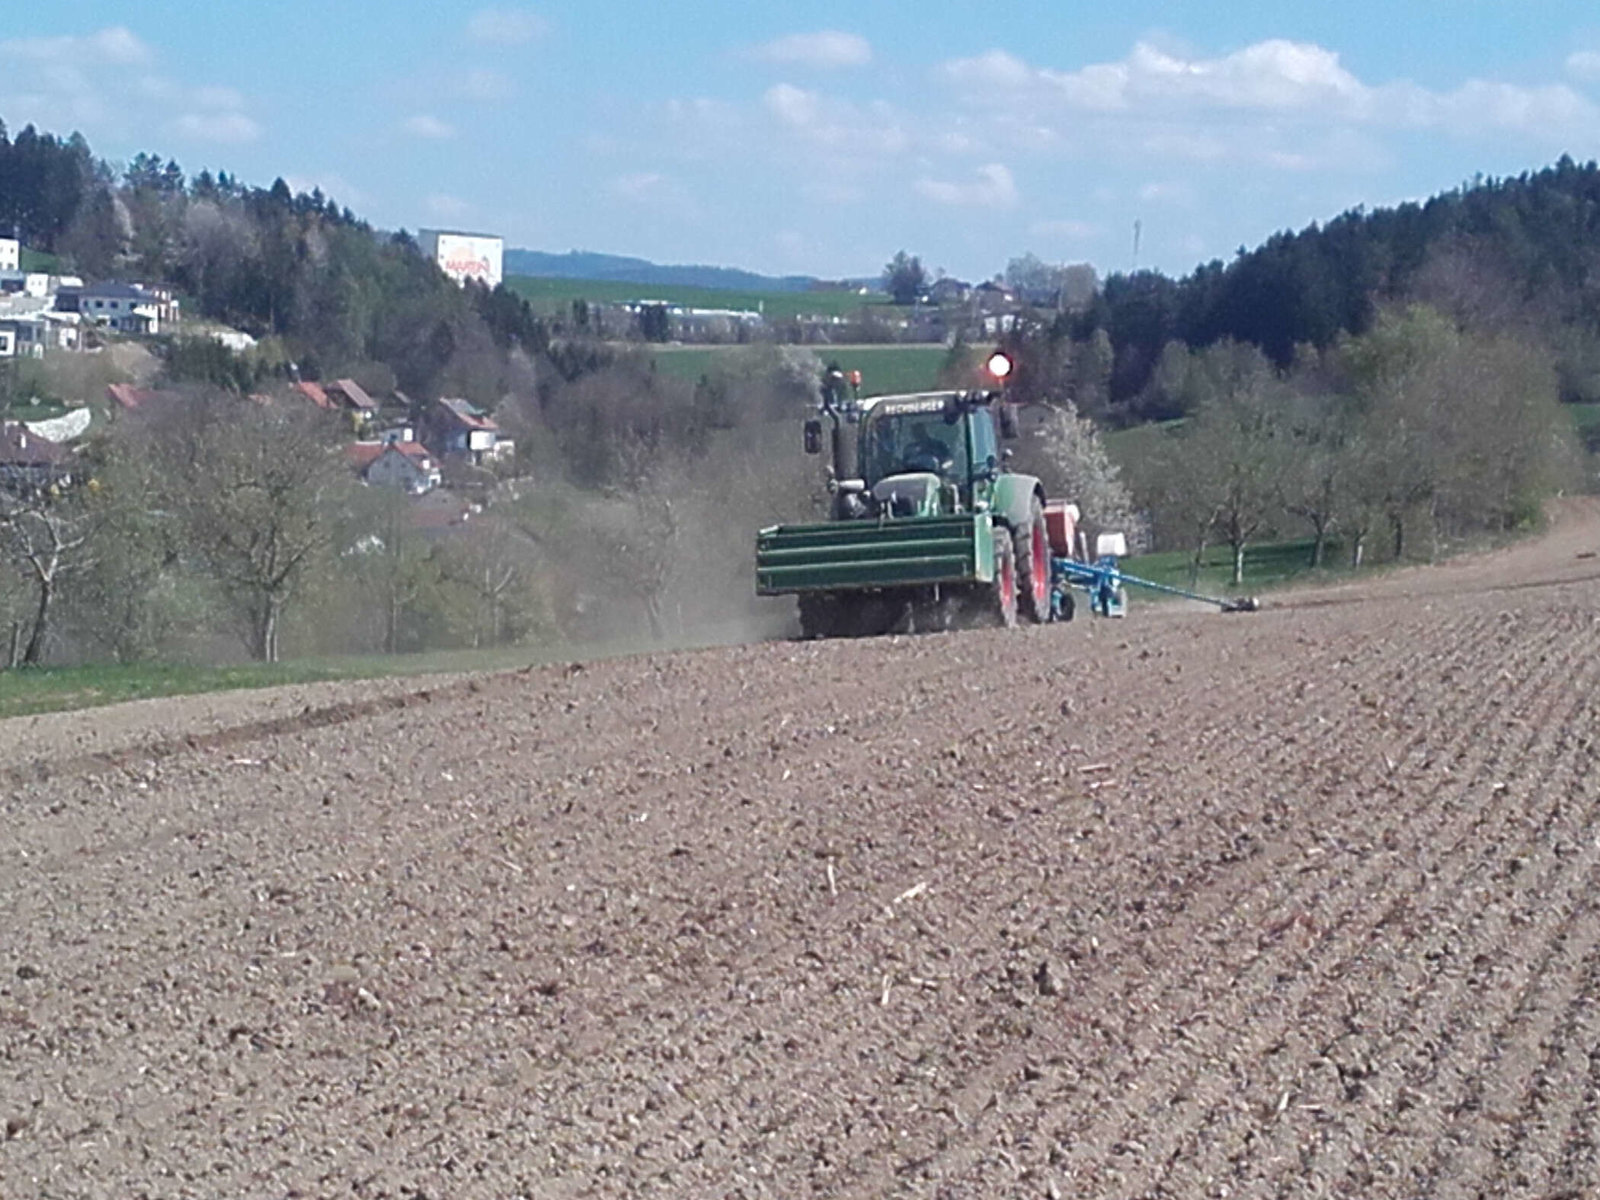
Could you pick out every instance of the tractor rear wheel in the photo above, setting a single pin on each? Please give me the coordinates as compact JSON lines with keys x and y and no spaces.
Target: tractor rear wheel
{"x":1000,"y":596}
{"x":1031,"y":550}
{"x":819,"y":616}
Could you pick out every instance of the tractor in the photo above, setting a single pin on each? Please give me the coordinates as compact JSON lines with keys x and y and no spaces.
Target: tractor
{"x":929,"y":528}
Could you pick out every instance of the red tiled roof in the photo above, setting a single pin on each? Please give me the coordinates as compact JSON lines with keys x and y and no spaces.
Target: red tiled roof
{"x":314,"y":393}
{"x":362,"y":455}
{"x":464,"y":412}
{"x":353,"y":393}
{"x":128,"y":396}
{"x":413,"y":450}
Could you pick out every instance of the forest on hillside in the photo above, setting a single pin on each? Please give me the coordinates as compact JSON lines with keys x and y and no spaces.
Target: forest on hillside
{"x":1519,"y":253}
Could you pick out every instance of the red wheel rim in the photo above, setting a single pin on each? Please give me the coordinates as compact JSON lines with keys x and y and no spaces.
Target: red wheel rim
{"x":1008,"y":584}
{"x":1041,"y":569}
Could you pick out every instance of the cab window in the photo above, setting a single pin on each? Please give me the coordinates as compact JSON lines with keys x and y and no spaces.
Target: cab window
{"x":984,"y":446}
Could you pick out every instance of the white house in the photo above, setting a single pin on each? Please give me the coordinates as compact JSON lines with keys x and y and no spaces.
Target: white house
{"x":29,"y":328}
{"x":10,"y":254}
{"x":404,"y":465}
{"x":127,"y":307}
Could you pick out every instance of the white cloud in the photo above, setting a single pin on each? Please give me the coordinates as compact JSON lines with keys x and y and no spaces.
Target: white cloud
{"x":424,"y":125}
{"x":825,"y":50}
{"x":484,"y":85}
{"x":1584,"y":65}
{"x":792,"y":105}
{"x":991,"y":69}
{"x":1065,"y":227}
{"x":1260,"y":104}
{"x":657,"y":191}
{"x":446,"y":206}
{"x":1166,"y":192}
{"x":505,"y":26}
{"x":993,"y":188}
{"x":638,"y":185}
{"x":113,"y":46}
{"x":105,"y":84}
{"x":837,"y":125}
{"x":1271,"y":75}
{"x":226,"y":127}
{"x":1553,"y":109}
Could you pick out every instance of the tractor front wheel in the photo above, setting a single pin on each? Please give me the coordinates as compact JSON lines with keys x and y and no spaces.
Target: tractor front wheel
{"x":1000,"y":596}
{"x":1031,"y":552}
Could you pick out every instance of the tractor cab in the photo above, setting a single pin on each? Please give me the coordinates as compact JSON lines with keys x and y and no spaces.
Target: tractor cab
{"x":928,"y":454}
{"x":922,"y":454}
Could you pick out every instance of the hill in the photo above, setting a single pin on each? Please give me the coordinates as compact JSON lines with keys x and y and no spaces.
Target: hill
{"x":1518,"y":252}
{"x":585,"y":264}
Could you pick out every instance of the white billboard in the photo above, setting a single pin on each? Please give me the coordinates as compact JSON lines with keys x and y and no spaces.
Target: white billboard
{"x":464,"y":256}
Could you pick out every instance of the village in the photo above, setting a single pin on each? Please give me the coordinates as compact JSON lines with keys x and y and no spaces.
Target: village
{"x":390,"y":441}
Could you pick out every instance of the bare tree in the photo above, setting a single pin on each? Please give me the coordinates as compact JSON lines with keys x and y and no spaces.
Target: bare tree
{"x":1229,"y":454}
{"x":47,"y":536}
{"x":258,"y":489}
{"x":490,"y":565}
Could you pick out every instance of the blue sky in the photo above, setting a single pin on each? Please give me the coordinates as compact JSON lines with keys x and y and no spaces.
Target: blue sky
{"x":821,"y":138}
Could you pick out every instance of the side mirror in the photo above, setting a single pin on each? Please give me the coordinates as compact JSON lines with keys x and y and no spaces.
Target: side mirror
{"x":813,"y":436}
{"x":1008,"y":421}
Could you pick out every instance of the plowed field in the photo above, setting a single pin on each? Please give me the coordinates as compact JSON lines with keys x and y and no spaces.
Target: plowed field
{"x":1294,"y":904}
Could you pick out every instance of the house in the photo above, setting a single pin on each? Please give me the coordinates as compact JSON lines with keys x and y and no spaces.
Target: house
{"x":397,"y":433}
{"x":949,"y":290}
{"x":30,"y":463}
{"x":128,"y":397}
{"x":347,"y":393}
{"x":126,"y":307}
{"x":314,"y":393}
{"x":10,"y":254}
{"x":30,"y":328}
{"x":992,"y":297}
{"x":458,"y":428}
{"x":405,"y":465}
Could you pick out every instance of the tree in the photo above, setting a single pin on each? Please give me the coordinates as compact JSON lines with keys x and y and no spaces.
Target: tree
{"x":904,"y":278}
{"x":655,"y":324}
{"x":1233,"y":442}
{"x":488,"y":566}
{"x":258,"y":490}
{"x":1074,"y":465}
{"x":46,"y":536}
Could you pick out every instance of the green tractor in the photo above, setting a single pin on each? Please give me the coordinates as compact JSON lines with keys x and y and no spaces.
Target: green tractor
{"x":930,"y":528}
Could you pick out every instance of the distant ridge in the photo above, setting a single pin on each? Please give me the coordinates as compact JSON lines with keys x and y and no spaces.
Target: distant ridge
{"x":586,"y":264}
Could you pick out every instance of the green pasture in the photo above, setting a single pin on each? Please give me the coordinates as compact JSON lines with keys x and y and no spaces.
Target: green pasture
{"x":884,"y":369}
{"x":1269,"y":565}
{"x":1586,"y":420}
{"x":556,"y":296}
{"x":38,"y":260}
{"x":58,"y":689}
{"x":28,"y":690}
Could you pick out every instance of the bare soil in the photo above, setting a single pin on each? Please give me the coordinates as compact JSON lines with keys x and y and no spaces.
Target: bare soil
{"x":1293,"y":904}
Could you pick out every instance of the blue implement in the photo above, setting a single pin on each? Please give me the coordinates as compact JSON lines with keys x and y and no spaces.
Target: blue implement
{"x":1106,"y":584}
